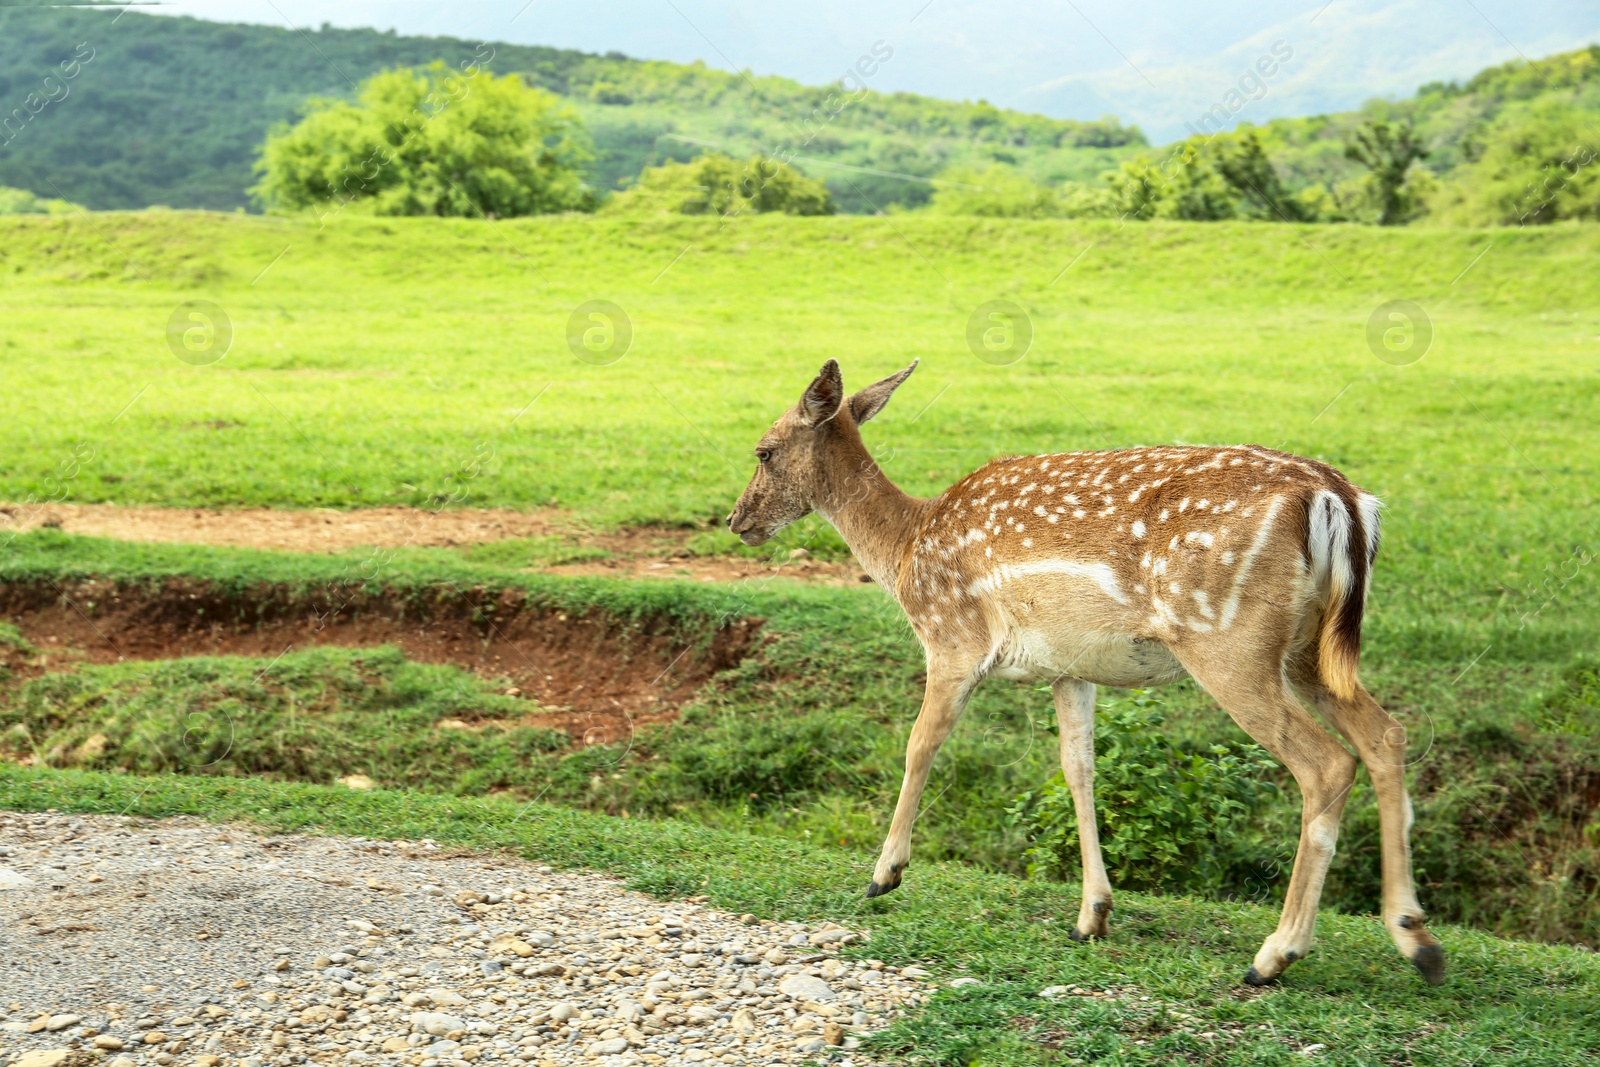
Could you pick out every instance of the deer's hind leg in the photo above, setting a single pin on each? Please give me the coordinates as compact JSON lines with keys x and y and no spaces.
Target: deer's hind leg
{"x":1253,"y":690}
{"x":1075,"y":717}
{"x":1381,"y":743}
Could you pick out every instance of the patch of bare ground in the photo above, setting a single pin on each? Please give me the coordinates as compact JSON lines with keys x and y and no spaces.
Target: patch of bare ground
{"x":639,"y":551}
{"x":595,"y":677}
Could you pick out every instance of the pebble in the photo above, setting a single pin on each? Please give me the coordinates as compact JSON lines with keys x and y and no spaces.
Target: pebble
{"x":217,"y":947}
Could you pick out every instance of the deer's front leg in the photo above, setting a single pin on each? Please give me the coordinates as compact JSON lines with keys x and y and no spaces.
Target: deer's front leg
{"x":942,"y":704}
{"x":1075,"y":717}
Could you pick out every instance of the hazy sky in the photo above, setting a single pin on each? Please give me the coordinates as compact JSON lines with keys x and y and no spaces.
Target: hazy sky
{"x":1157,"y":63}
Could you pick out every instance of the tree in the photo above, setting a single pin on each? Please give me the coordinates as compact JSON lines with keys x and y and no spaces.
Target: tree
{"x":430,"y":141}
{"x":715,"y":184}
{"x":1536,"y":167}
{"x":1388,"y":152}
{"x":1183,"y":185}
{"x":1241,"y":162}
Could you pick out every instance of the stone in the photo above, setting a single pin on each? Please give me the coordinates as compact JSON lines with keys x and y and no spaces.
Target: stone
{"x":957,"y":983}
{"x":610,"y":1047}
{"x":154,"y":1037}
{"x":436,"y":1023}
{"x":446,"y":998}
{"x":833,"y":1033}
{"x":61,"y":1022}
{"x":53,"y":1057}
{"x":109,"y":1042}
{"x":10,"y":879}
{"x":744,"y":1021}
{"x":1051,"y":992}
{"x":563,"y":1011}
{"x":500,"y":946}
{"x":807,"y":987}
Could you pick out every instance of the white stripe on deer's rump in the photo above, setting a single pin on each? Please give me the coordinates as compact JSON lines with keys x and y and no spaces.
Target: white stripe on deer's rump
{"x":1100,"y":573}
{"x":1232,"y":605}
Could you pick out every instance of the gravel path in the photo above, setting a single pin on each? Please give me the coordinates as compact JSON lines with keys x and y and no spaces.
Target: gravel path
{"x":131,"y":942}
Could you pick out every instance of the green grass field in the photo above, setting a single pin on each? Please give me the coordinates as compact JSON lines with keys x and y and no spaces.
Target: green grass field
{"x":426,"y":362}
{"x":387,"y":362}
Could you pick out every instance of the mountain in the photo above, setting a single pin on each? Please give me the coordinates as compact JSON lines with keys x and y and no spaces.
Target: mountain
{"x":115,"y":109}
{"x":1157,"y":63}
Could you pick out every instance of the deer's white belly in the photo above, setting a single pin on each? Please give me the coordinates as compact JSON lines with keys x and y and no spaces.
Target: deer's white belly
{"x":1115,"y":659}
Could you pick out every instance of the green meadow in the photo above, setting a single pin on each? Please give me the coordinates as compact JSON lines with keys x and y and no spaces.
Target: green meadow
{"x":426,"y":362}
{"x":384,"y":362}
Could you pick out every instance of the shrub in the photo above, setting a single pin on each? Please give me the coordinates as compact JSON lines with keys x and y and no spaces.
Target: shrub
{"x":716,"y":184}
{"x":1171,"y":818}
{"x":430,"y":142}
{"x":22,"y":202}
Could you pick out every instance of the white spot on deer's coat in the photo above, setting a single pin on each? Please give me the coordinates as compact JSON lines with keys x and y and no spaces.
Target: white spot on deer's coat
{"x":1138,"y":527}
{"x":1201,"y":536}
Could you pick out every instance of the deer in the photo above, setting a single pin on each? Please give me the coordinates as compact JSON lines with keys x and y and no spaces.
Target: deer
{"x":1242,"y":567}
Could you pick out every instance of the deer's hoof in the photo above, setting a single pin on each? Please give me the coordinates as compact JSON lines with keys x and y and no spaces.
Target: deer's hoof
{"x":876,"y":890}
{"x":1255,"y":978}
{"x":1078,"y":936}
{"x":1430,"y":961}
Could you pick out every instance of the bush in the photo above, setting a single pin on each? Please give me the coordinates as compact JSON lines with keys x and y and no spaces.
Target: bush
{"x":1171,"y":818}
{"x":1536,"y":167}
{"x":430,"y":142}
{"x":22,"y":202}
{"x":1002,"y":192}
{"x":716,"y":184}
{"x":313,"y":716}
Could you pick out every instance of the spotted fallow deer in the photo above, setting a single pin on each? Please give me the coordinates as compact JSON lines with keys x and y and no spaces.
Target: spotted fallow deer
{"x":1242,"y":567}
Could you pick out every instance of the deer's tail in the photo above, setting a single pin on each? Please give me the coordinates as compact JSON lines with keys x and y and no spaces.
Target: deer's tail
{"x":1341,"y":543}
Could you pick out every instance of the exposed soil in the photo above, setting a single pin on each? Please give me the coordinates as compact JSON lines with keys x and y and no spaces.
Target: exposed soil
{"x":592,"y":676}
{"x":641,"y":551}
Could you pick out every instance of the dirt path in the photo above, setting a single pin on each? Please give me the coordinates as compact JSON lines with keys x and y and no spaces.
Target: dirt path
{"x":646,"y":552}
{"x":142,"y":942}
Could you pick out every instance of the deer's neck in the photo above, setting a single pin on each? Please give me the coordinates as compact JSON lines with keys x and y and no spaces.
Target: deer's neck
{"x":876,"y":519}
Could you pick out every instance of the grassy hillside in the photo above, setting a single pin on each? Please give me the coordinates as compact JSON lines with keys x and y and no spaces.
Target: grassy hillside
{"x":171,"y":110}
{"x":1452,"y":118}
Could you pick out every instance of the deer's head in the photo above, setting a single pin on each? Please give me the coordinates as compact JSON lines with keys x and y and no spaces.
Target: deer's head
{"x":798,"y":459}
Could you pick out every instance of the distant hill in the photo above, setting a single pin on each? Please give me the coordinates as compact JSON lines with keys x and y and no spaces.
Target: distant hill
{"x":1451,"y":116}
{"x":170,"y":111}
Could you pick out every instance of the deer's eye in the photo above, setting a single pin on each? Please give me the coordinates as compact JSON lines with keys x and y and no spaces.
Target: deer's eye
{"x":763,"y":455}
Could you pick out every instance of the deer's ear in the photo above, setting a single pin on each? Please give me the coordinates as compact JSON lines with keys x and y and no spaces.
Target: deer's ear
{"x":872,"y":399}
{"x":822,"y":397}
